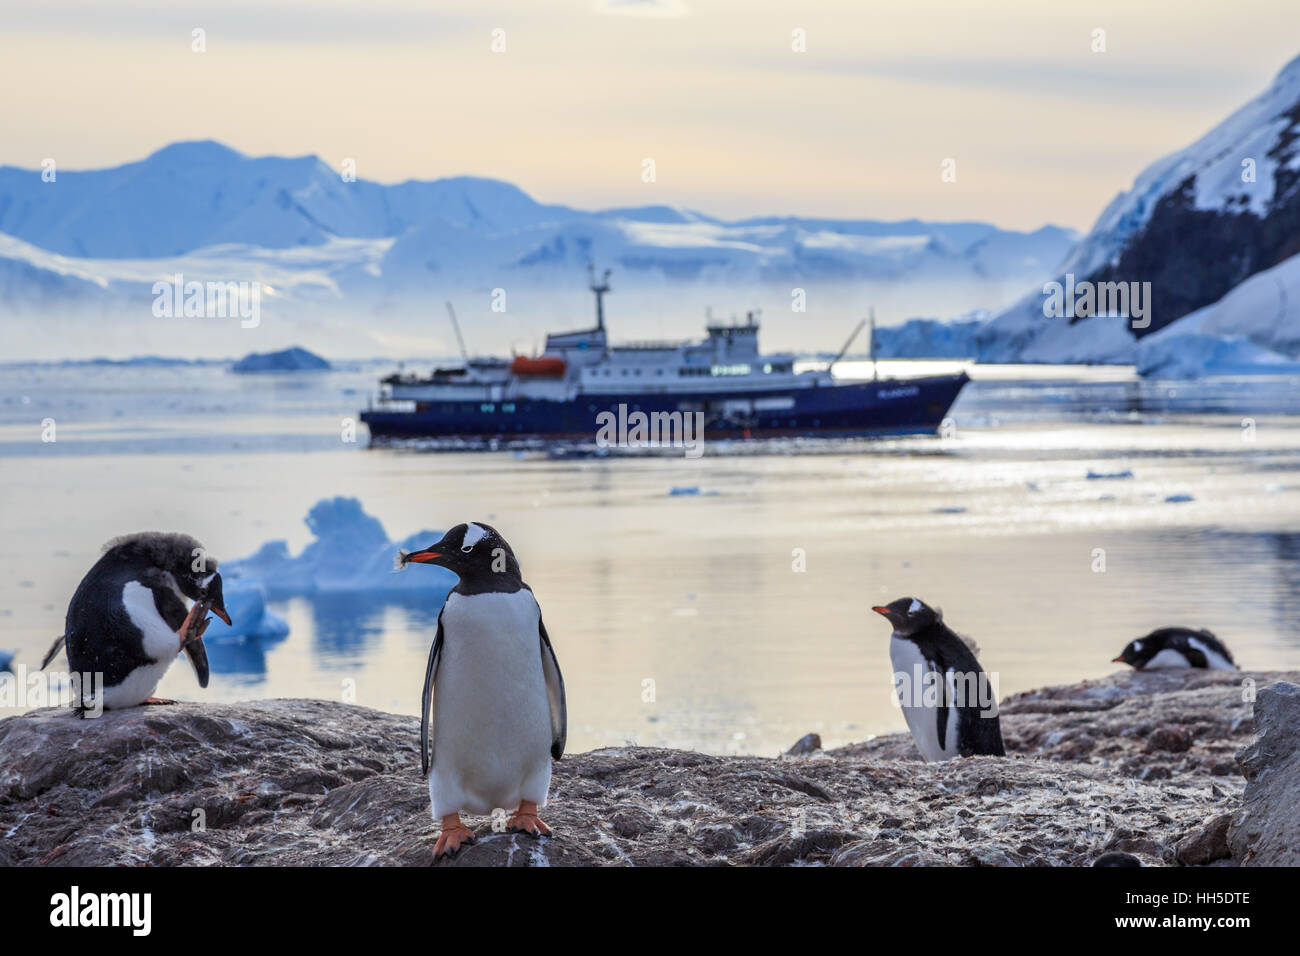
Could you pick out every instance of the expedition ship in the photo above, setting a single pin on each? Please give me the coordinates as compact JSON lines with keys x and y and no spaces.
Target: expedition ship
{"x":740,"y":392}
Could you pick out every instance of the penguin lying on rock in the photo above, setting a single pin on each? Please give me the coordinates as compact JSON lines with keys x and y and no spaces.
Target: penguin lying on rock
{"x":493,"y":710}
{"x":947,"y":699}
{"x":128,"y":619}
{"x":1177,"y":647}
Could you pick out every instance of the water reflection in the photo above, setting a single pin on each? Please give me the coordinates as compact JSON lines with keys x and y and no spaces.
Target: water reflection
{"x":241,"y":657}
{"x":347,"y":627}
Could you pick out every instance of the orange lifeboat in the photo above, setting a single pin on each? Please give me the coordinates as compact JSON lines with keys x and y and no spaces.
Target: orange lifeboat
{"x":543,"y":367}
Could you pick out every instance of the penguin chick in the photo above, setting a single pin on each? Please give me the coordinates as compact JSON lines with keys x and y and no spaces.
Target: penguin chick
{"x":128,"y":619}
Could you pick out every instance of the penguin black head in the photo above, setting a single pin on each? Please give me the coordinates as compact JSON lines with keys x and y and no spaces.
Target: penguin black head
{"x":181,"y":556}
{"x":1138,"y":653}
{"x":909,"y":615}
{"x":471,"y":551}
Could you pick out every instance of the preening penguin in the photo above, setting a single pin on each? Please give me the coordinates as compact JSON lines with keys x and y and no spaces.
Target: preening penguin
{"x":1177,"y":647}
{"x":493,"y":710}
{"x":128,"y":619}
{"x":948,"y":701}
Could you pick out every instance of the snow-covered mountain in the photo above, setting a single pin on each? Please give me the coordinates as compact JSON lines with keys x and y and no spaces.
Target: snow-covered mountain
{"x":1195,"y":225}
{"x":99,"y":238}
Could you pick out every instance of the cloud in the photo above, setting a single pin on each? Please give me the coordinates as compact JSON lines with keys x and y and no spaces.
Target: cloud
{"x":644,"y":8}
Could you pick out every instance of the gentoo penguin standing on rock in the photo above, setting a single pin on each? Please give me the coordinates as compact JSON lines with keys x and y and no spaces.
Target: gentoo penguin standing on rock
{"x":493,"y":710}
{"x":1177,"y":647}
{"x":948,"y":701}
{"x":128,"y":619}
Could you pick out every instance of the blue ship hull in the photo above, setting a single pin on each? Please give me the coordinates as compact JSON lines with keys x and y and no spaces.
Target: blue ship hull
{"x":891,"y":407}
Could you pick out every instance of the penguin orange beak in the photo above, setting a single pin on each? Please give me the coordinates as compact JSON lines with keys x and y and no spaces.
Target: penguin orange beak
{"x":882,"y":610}
{"x":221,"y":613}
{"x":423,"y":557}
{"x":1117,"y":660}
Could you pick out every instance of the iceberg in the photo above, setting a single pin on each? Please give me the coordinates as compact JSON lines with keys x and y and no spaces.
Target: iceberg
{"x":289,"y":360}
{"x":249,"y":615}
{"x":1192,"y":355}
{"x":6,"y":660}
{"x":352,"y":553}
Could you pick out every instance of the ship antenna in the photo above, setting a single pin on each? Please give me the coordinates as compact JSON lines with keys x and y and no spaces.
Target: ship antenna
{"x":871,"y":348}
{"x":600,"y":288}
{"x":840,"y":355}
{"x":456,"y":325}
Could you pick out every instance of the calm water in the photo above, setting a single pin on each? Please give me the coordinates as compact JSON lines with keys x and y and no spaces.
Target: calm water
{"x":999,"y":524}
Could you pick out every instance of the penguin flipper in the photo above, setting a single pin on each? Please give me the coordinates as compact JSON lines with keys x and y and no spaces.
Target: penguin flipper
{"x":198,"y":655}
{"x":426,"y":702}
{"x":554,"y":693}
{"x":54,"y":649}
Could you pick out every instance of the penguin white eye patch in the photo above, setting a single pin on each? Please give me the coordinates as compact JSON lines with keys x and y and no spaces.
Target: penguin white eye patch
{"x":914,"y":606}
{"x":473,"y":535}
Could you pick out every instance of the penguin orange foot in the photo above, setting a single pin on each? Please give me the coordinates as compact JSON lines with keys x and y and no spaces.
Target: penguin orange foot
{"x":157,"y":700}
{"x":454,"y":835}
{"x":526,"y":820}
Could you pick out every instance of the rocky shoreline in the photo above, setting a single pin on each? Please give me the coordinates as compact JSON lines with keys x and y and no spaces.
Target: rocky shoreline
{"x":1164,"y":766}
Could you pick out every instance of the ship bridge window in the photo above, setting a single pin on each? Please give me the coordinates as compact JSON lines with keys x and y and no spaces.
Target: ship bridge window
{"x":730,"y":370}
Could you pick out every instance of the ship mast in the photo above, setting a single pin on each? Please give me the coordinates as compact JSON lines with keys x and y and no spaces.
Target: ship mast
{"x":600,"y":288}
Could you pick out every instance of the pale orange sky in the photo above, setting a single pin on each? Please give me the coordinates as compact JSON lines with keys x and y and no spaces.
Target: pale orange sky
{"x":738,"y":124}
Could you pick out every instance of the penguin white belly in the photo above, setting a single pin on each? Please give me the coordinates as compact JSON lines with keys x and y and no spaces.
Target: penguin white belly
{"x":160,"y":643}
{"x":1215,"y":660}
{"x":1167,"y":658}
{"x":492,"y":730}
{"x":922,"y":721}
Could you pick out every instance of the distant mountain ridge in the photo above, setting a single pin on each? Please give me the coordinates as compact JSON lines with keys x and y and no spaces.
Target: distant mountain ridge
{"x":224,"y":215}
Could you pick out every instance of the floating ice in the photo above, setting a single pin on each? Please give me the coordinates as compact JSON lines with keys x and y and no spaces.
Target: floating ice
{"x":351,"y":553}
{"x":1109,"y":475}
{"x":6,"y":658}
{"x":288,"y":360}
{"x":1193,"y":355}
{"x":249,"y":615}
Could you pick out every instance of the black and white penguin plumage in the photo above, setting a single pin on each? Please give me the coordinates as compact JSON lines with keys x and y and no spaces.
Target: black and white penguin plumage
{"x":493,"y":711}
{"x":947,"y":699}
{"x":1177,"y":647}
{"x":126,"y":619}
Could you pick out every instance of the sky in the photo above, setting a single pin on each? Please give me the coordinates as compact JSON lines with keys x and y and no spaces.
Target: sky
{"x":569,"y":98}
